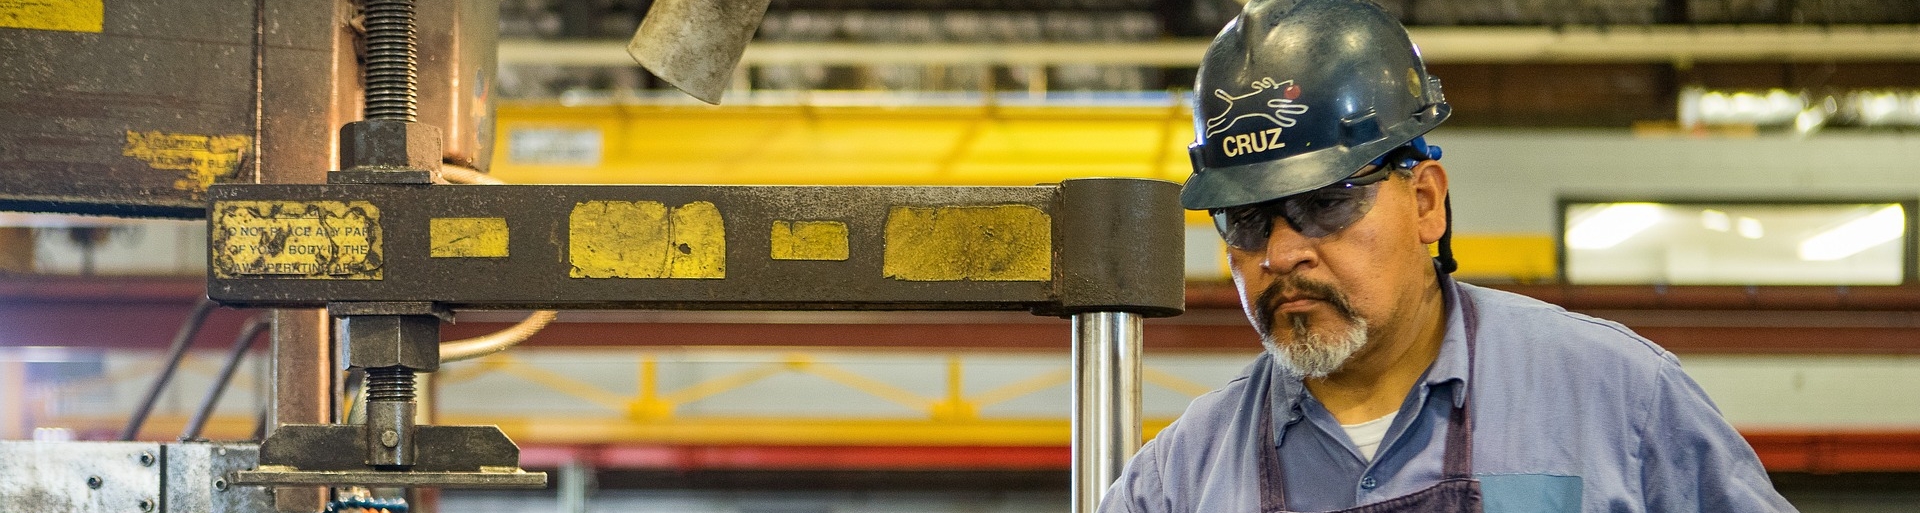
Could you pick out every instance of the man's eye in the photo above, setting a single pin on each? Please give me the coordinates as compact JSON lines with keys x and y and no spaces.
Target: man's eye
{"x":1323,"y":202}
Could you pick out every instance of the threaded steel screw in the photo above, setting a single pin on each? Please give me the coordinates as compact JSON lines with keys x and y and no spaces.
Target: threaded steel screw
{"x":390,"y":384}
{"x":391,"y":86}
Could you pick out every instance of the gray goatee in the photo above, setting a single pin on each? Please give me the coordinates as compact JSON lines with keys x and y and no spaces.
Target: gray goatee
{"x":1308,"y":353}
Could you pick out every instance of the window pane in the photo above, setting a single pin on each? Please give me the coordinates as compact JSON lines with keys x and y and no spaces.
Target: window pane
{"x":1736,"y":243}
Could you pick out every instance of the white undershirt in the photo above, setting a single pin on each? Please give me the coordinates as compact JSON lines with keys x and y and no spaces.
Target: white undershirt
{"x":1367,"y":435}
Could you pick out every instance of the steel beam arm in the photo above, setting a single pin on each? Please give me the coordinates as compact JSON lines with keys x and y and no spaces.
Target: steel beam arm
{"x":1080,"y":246}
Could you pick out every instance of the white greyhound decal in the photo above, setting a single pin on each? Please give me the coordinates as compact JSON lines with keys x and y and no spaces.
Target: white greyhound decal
{"x":1280,"y":103}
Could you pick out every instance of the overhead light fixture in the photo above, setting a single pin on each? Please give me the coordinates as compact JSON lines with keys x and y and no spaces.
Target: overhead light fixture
{"x":1772,"y":107}
{"x":1853,"y":237}
{"x":1715,"y":220}
{"x":1751,"y":228}
{"x":1612,"y":224}
{"x":1882,"y":108}
{"x":1808,"y":122}
{"x":1804,"y":113}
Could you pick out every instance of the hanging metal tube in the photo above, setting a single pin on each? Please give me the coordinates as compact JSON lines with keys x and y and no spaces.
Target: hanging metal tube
{"x":181,"y":340}
{"x":1106,"y":402}
{"x":241,"y":344}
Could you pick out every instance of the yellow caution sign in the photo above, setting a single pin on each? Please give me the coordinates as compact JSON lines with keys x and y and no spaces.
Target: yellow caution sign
{"x":645,"y":239}
{"x":809,"y":240}
{"x":204,"y":158}
{"x":977,"y":243}
{"x":64,"y":15}
{"x":315,"y":240}
{"x":469,"y":237}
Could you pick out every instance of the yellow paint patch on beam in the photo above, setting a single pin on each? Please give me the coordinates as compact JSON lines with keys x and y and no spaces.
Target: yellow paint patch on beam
{"x":976,"y":243}
{"x":204,"y":158}
{"x":315,"y":240}
{"x":473,"y":237}
{"x":645,"y":239}
{"x":63,"y":15}
{"x":699,"y":241}
{"x":809,"y":240}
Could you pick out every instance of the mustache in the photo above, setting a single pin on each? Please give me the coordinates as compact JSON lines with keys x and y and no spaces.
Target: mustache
{"x":1271,"y":298}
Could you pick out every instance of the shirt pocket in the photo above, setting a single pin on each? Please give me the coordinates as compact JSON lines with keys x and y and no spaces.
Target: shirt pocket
{"x":1529,"y":493}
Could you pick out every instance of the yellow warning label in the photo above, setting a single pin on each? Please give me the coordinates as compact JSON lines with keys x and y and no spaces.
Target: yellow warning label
{"x":984,"y":243}
{"x":645,"y":239}
{"x":204,"y":158}
{"x":454,"y":237}
{"x":316,"y":240}
{"x":67,"y":15}
{"x":809,"y":240}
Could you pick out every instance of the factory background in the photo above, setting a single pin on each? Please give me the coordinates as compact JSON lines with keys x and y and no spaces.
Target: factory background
{"x":1734,"y":179}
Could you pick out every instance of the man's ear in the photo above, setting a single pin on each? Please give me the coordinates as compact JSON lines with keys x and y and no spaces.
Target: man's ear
{"x":1430,"y":200}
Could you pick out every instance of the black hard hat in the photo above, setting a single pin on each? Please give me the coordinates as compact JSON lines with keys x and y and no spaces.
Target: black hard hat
{"x":1294,"y":95}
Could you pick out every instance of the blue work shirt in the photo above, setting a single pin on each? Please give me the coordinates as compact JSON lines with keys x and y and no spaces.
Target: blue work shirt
{"x":1570,"y":413}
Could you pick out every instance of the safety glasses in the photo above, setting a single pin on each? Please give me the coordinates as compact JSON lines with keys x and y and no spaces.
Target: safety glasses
{"x":1313,"y":214}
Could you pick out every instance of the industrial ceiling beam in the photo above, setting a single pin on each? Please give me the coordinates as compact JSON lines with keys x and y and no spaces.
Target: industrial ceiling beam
{"x":1583,"y":44}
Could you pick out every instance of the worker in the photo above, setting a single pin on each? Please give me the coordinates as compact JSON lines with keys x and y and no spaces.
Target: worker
{"x":1386,"y":386}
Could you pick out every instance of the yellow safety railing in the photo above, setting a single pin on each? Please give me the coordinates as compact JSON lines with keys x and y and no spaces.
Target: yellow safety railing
{"x":653,"y":415}
{"x":656,"y":414}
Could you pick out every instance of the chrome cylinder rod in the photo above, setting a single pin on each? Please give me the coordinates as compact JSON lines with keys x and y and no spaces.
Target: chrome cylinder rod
{"x":1106,"y":401}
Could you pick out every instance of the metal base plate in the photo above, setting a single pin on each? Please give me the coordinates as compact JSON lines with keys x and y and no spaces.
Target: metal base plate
{"x":505,"y":478}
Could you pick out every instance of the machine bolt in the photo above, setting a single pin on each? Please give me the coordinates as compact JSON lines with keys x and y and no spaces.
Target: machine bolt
{"x":390,"y":410}
{"x":146,"y":504}
{"x":390,"y":384}
{"x":390,"y":73}
{"x":94,"y":482}
{"x":146,"y":459}
{"x":220,"y":484}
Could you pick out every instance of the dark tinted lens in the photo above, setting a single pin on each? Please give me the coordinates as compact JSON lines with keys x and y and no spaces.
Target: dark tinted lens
{"x":1313,"y":214}
{"x":1245,"y":228}
{"x":1327,"y":211}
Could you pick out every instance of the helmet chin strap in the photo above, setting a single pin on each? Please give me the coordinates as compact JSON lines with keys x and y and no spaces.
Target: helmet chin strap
{"x":1447,"y":264}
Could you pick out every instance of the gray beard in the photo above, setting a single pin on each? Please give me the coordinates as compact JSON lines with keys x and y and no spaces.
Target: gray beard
{"x":1311,"y":355}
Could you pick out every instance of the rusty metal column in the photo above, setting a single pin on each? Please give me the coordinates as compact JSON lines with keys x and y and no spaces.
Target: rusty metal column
{"x":1106,"y":402}
{"x":302,"y":388}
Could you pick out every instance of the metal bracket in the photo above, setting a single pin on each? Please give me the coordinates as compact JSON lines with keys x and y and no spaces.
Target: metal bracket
{"x":123,"y":477}
{"x":508,"y":477}
{"x":334,"y":454}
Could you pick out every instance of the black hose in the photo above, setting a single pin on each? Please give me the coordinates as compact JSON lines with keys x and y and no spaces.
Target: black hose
{"x":241,"y":344}
{"x":181,"y":339}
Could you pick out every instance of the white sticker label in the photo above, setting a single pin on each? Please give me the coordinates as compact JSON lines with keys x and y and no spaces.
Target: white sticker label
{"x":554,"y":146}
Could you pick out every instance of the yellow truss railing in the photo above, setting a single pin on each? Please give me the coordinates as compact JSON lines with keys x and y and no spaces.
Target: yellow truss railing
{"x":651,"y":415}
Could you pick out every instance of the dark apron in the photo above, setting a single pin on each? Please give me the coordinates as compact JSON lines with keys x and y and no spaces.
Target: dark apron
{"x":1457,"y":490}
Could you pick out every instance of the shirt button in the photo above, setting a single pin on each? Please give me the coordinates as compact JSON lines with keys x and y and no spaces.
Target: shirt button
{"x":1368,"y":483}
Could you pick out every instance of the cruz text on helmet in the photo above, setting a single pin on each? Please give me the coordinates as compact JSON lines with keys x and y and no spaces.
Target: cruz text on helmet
{"x":1255,"y":142}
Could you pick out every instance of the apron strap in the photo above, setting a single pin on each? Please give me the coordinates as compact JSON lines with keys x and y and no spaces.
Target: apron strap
{"x":1273,"y":488}
{"x":1459,"y":455}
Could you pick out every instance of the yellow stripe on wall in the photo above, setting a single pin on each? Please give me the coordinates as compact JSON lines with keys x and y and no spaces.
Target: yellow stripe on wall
{"x":976,"y":145}
{"x":916,"y":145}
{"x":1524,"y":258}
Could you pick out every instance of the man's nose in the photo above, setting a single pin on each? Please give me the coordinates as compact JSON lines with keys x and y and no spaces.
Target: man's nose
{"x":1287,"y":251}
